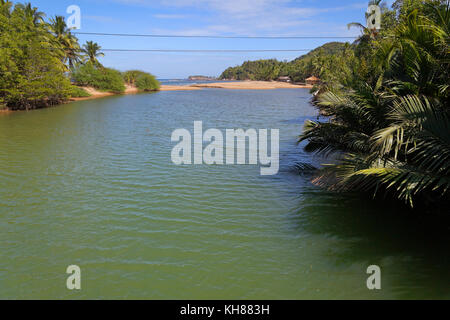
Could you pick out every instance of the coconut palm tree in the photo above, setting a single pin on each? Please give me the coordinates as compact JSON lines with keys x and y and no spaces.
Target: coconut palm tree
{"x":66,"y":41}
{"x":367,"y":33}
{"x":391,"y":130}
{"x":5,"y":7}
{"x":32,"y":13}
{"x":92,"y":50}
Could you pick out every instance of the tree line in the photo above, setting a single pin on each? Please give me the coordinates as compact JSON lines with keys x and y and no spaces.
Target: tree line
{"x":385,"y":120}
{"x":323,"y":62}
{"x":42,"y":61}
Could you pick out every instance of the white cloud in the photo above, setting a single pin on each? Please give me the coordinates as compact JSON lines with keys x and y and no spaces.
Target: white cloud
{"x":229,"y":6}
{"x":247,"y":17}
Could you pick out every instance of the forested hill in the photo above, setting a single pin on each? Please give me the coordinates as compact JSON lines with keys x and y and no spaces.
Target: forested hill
{"x":298,"y":70}
{"x":329,"y":48}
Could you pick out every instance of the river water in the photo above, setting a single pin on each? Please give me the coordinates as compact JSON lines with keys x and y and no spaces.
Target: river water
{"x":92,"y":184}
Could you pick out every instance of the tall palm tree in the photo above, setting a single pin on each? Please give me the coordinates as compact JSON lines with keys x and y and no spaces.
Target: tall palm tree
{"x":391,"y":130}
{"x":59,"y":27}
{"x":93,"y":51}
{"x":367,"y":33}
{"x":68,"y":43}
{"x":5,"y":7}
{"x":32,"y":13}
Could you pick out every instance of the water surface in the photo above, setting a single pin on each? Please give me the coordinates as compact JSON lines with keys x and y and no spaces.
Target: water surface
{"x":92,"y":184}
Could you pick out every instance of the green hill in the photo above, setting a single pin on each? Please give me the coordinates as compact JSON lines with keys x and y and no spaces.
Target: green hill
{"x":298,"y":70}
{"x":329,"y":48}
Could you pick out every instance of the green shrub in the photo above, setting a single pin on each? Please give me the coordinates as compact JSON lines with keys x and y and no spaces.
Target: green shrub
{"x":147,"y":82}
{"x":31,"y":75}
{"x":130,"y":77}
{"x":104,"y":79}
{"x":76,"y":92}
{"x":142,"y":80}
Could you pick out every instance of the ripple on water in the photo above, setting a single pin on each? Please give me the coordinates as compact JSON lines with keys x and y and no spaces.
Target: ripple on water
{"x":92,"y":183}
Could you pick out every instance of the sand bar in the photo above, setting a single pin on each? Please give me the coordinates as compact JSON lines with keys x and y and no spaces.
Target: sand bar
{"x":240,"y":85}
{"x":251,"y":85}
{"x":95,"y":94}
{"x":178,"y":88}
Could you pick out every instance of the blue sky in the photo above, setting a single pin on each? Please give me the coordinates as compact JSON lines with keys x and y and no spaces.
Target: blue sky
{"x":207,"y":17}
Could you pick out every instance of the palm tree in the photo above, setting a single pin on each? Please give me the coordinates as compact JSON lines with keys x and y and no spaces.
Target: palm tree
{"x":391,"y":129}
{"x":5,"y":7}
{"x":92,"y":50}
{"x":59,"y":27}
{"x":367,"y":33}
{"x":32,"y":13}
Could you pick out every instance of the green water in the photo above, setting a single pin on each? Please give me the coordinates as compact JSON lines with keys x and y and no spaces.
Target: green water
{"x":92,"y":184}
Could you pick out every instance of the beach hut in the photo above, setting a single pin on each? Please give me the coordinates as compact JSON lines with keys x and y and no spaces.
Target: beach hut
{"x":284,"y":79}
{"x":312,"y":81}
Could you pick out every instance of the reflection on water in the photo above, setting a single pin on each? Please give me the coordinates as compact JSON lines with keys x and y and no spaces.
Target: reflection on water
{"x":411,"y":249}
{"x":92,"y":184}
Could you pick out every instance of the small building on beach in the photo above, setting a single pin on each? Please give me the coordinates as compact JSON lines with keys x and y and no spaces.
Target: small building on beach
{"x":312,"y":81}
{"x":284,"y":79}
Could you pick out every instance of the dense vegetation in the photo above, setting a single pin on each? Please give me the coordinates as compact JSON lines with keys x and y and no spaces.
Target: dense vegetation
{"x":142,"y":80}
{"x":318,"y":62}
{"x":387,"y":114}
{"x":77,"y":92}
{"x":31,"y":60}
{"x":101,"y":78}
{"x":39,"y":59}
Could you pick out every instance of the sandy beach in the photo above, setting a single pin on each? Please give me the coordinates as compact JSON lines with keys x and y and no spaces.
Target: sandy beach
{"x":251,"y":85}
{"x":240,"y":85}
{"x":178,"y":88}
{"x":96,"y":94}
